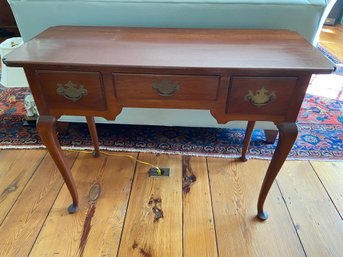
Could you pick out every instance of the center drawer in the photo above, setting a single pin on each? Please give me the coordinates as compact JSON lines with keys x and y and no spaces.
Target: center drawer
{"x":166,"y":87}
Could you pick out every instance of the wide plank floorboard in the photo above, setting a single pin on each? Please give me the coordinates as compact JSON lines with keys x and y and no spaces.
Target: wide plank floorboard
{"x":199,"y":237}
{"x":235,"y":187}
{"x":153,"y":224}
{"x":97,"y":222}
{"x":316,"y":219}
{"x":331,"y":37}
{"x":16,"y":169}
{"x":331,"y":175}
{"x":107,"y":222}
{"x":28,"y":214}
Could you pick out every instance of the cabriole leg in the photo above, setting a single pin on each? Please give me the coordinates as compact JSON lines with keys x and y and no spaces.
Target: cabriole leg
{"x":287,"y":135}
{"x":46,"y":126}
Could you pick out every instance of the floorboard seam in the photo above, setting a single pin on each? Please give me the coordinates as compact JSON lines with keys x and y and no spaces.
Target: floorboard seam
{"x":290,"y":215}
{"x":127,"y":205}
{"x":213,"y":217}
{"x":182,"y":212}
{"x":327,"y":192}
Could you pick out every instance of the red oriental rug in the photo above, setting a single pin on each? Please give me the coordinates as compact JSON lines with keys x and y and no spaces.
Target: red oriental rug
{"x":320,"y":124}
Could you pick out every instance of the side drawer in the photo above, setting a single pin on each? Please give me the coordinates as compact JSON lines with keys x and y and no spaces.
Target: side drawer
{"x":260,"y":95}
{"x":166,"y":87}
{"x":72,"y":90}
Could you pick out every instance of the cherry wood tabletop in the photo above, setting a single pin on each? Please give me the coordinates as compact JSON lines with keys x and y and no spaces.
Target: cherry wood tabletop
{"x":179,"y":48}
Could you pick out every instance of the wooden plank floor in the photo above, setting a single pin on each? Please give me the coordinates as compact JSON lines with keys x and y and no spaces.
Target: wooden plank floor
{"x":206,"y":207}
{"x":331,"y":37}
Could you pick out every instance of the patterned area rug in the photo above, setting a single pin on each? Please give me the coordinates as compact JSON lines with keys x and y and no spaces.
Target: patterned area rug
{"x":320,"y":124}
{"x":12,"y":100}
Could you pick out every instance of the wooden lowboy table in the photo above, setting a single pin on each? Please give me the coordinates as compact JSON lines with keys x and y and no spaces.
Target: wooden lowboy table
{"x":253,"y":75}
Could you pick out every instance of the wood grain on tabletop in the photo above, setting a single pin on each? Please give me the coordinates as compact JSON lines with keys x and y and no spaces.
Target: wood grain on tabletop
{"x":148,"y":47}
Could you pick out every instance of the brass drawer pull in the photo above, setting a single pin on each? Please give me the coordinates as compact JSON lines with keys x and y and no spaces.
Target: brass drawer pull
{"x":262,"y":97}
{"x":71,"y":92}
{"x":165,"y":87}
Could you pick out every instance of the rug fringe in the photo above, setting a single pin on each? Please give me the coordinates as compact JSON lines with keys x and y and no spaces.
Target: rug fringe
{"x":22,"y":147}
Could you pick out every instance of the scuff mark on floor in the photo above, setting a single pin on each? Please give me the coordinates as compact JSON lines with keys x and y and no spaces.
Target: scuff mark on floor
{"x":156,"y":204}
{"x":158,"y":213}
{"x":86,"y":229}
{"x":188,"y":177}
{"x":134,"y":245}
{"x":11,"y":188}
{"x":144,"y":253}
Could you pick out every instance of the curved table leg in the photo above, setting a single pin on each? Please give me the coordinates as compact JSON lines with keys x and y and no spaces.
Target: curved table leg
{"x":46,"y":126}
{"x":247,"y":138}
{"x":94,"y":135}
{"x":287,"y":135}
